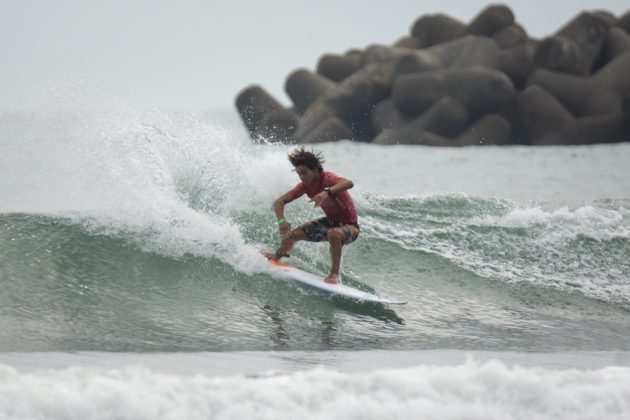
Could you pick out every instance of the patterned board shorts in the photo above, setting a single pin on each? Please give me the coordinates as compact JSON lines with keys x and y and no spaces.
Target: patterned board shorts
{"x":316,"y":230}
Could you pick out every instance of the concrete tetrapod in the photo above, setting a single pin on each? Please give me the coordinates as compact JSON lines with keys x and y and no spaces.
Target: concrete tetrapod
{"x":278,"y":126}
{"x":511,"y":36}
{"x":385,"y":115}
{"x":435,"y":29}
{"x":338,"y":67}
{"x":445,"y":118}
{"x":332,"y":129}
{"x":352,"y":101}
{"x":490,"y":21}
{"x":253,"y":104}
{"x":584,"y":96}
{"x":575,"y":48}
{"x":608,"y":128}
{"x":617,"y":43}
{"x":624,"y":22}
{"x":383,"y":54}
{"x":305,"y":87}
{"x":540,"y":114}
{"x":480,"y":90}
{"x":491,"y":129}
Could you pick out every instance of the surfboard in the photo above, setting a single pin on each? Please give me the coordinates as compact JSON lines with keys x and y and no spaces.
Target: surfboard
{"x":293,"y":273}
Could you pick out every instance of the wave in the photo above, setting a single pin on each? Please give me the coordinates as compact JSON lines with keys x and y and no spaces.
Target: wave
{"x":581,"y":249}
{"x":174,"y":184}
{"x":602,"y":220}
{"x":104,"y":209}
{"x":592,"y":222}
{"x":473,"y":390}
{"x":576,"y":250}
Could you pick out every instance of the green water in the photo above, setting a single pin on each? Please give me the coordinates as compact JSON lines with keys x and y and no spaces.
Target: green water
{"x":146,"y":240}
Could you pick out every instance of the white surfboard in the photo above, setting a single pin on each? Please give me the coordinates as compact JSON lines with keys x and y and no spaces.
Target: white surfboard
{"x":292,"y":273}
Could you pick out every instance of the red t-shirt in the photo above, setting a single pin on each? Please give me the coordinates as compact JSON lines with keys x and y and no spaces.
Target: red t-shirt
{"x":338,"y":207}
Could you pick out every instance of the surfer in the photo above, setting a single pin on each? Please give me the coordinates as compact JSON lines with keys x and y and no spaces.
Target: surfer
{"x":327,"y":191}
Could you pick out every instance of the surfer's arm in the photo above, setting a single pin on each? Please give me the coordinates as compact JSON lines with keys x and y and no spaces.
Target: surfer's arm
{"x":278,"y":207}
{"x":342,"y":184}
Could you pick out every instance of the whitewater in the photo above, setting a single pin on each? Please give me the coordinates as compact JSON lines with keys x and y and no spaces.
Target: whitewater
{"x":132,"y":284}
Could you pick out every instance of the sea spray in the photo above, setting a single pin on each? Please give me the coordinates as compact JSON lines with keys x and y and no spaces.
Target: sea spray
{"x":172,"y":182}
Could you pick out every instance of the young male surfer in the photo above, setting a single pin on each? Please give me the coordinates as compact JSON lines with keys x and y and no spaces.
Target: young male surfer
{"x":327,"y":191}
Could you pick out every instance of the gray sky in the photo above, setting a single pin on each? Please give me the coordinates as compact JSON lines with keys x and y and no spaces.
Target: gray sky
{"x":194,"y":54}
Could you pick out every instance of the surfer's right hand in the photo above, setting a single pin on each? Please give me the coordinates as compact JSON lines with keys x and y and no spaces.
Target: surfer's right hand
{"x":285,"y":230}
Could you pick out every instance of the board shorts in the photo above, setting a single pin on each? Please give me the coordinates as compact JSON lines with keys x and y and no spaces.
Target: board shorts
{"x":317,"y":229}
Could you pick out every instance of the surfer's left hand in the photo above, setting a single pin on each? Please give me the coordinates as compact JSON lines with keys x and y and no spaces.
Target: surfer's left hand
{"x":317,"y":199}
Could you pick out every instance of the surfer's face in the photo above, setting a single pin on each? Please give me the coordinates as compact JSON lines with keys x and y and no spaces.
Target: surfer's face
{"x":307,"y":176}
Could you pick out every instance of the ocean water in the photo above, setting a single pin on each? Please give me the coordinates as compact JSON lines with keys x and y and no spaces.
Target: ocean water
{"x":131,"y":284}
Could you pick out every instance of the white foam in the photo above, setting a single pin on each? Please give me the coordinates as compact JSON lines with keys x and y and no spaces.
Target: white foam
{"x":173,"y":184}
{"x":562,"y":248}
{"x":472,"y":390}
{"x":597,"y":223}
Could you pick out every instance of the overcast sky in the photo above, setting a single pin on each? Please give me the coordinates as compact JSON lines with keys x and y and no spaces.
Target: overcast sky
{"x":194,"y":54}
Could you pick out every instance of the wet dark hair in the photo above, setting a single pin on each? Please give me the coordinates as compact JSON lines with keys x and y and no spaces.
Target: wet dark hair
{"x":309,"y":159}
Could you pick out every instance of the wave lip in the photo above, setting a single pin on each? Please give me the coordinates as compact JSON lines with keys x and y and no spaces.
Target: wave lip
{"x":600,"y":224}
{"x":472,"y":390}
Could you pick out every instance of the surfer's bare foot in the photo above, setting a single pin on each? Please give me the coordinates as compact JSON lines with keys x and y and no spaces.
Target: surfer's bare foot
{"x":332,"y":279}
{"x":268,"y":254}
{"x":273,"y":255}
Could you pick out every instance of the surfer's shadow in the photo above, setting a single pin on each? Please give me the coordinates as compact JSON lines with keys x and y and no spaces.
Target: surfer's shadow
{"x":373,"y":309}
{"x":279,"y":335}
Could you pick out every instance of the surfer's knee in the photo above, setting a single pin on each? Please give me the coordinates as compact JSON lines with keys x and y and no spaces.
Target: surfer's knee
{"x":297,"y":234}
{"x":335,"y":235}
